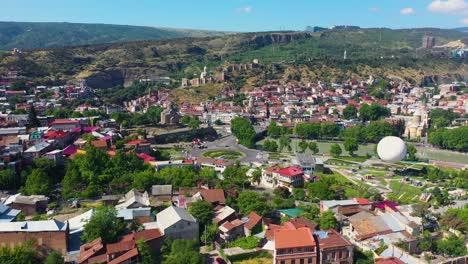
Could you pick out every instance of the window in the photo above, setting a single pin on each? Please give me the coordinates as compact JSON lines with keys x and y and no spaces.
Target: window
{"x":282,"y":262}
{"x":309,"y":261}
{"x":301,"y":261}
{"x":293,"y":261}
{"x":333,"y":255}
{"x":299,"y":250}
{"x":290,"y":251}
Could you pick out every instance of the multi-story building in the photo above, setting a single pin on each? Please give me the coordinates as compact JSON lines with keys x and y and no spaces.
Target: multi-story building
{"x":51,"y":234}
{"x":295,"y":246}
{"x":285,"y":177}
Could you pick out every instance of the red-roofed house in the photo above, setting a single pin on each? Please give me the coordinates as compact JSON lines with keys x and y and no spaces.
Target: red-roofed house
{"x":289,"y":177}
{"x":124,"y":251}
{"x":391,"y":260}
{"x":295,"y":246}
{"x":65,"y":124}
{"x":253,"y":224}
{"x":230,"y":231}
{"x":145,"y":157}
{"x":139,"y":145}
{"x":60,"y":138}
{"x":214,"y":196}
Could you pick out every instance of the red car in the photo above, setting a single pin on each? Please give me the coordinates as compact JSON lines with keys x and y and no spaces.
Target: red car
{"x":220,"y":261}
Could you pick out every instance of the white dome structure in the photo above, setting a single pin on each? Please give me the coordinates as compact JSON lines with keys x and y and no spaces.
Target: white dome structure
{"x":391,"y":149}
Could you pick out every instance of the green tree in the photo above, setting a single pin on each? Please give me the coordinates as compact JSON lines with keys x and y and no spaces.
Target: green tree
{"x":194,"y":123}
{"x":427,"y":242}
{"x":327,"y":220}
{"x":249,"y":201}
{"x":313,"y":147}
{"x":209,"y":234}
{"x":351,"y":145}
{"x":54,"y":258}
{"x":38,"y":182}
{"x":202,"y":211}
{"x":33,"y":121}
{"x":8,"y":180}
{"x":243,"y":130}
{"x":185,"y":120}
{"x":72,"y":182}
{"x":411,"y":150}
{"x":21,"y":254}
{"x":350,"y":112}
{"x":284,"y":142}
{"x":273,"y":129}
{"x":270,"y":145}
{"x":329,"y":130}
{"x":257,"y":176}
{"x":299,"y":194}
{"x":183,"y":252}
{"x":452,"y":246}
{"x":335,"y":150}
{"x":303,"y":145}
{"x":104,"y":224}
{"x":147,"y":255}
{"x":154,"y":114}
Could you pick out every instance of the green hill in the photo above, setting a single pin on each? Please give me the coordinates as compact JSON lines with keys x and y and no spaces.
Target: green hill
{"x":301,"y":55}
{"x":24,"y":35}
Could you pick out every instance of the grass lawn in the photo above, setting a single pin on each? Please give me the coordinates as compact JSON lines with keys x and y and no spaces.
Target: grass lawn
{"x":339,"y":162}
{"x":277,"y":156}
{"x":255,"y":261}
{"x":404,"y":193}
{"x":353,"y":158}
{"x":224,"y":154}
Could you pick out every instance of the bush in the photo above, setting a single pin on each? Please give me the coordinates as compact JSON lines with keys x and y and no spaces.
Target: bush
{"x":250,"y":242}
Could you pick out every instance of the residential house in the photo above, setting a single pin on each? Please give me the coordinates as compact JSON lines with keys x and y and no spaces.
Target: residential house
{"x":134,"y":199}
{"x":177,"y":223}
{"x":214,"y":196}
{"x":252,"y":224}
{"x":162,"y":192}
{"x":56,"y":156}
{"x":170,"y":117}
{"x":28,"y":205}
{"x":333,"y":248}
{"x":8,"y":214}
{"x":295,"y":246}
{"x":139,"y":146}
{"x":224,"y":214}
{"x":288,"y":177}
{"x":230,"y":231}
{"x":140,"y":215}
{"x":58,"y":138}
{"x":37,"y":151}
{"x":65,"y":124}
{"x":125,"y":251}
{"x":49,"y":234}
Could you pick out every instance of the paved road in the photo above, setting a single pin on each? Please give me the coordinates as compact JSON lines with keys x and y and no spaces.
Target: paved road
{"x":227,"y":143}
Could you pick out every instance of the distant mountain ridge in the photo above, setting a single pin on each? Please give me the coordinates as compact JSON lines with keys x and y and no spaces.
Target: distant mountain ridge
{"x":34,"y":35}
{"x":462,"y":29}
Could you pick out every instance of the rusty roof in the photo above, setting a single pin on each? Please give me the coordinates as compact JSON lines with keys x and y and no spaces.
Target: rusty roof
{"x":301,"y":237}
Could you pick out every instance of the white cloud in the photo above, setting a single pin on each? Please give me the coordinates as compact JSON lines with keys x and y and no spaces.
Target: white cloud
{"x":464,"y":21}
{"x":407,"y":11}
{"x":448,"y":6}
{"x":244,"y":9}
{"x":374,"y":9}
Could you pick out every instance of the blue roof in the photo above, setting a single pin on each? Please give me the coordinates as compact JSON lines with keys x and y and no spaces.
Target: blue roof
{"x":321,"y":234}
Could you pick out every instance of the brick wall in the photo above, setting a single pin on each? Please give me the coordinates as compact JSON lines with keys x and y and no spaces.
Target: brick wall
{"x":53,"y":240}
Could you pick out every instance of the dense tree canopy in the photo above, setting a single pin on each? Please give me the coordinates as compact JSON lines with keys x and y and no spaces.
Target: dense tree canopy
{"x":183,"y":252}
{"x":455,"y":139}
{"x":250,"y":201}
{"x":202,"y":211}
{"x":350,"y":112}
{"x":103,"y":224}
{"x":243,"y":130}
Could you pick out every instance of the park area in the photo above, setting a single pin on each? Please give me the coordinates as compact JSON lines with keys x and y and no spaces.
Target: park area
{"x":223,"y":154}
{"x":364,"y":149}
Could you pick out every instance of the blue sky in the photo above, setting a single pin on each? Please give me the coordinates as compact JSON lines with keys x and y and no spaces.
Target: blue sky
{"x":242,"y":15}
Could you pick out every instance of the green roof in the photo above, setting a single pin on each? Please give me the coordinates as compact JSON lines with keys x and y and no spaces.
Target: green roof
{"x":292,"y":212}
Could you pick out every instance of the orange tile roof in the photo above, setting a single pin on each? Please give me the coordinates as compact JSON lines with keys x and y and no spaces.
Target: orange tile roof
{"x":88,"y":250}
{"x":120,"y":246}
{"x":146,"y":235}
{"x":125,"y":257}
{"x":254,"y":219}
{"x":391,"y":260}
{"x":301,"y":237}
{"x":333,"y":239}
{"x":213,"y":195}
{"x":99,"y":143}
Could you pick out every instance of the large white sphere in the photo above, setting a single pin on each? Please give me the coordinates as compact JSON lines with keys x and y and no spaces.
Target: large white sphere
{"x":391,"y":149}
